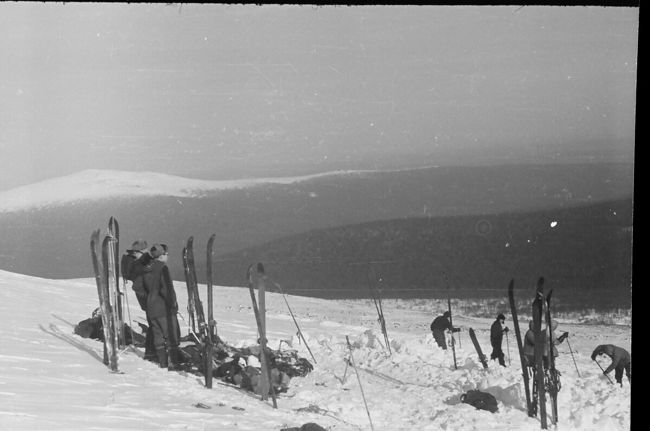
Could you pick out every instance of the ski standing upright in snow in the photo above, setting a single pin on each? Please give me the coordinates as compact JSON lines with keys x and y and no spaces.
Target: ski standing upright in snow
{"x":190,"y":295}
{"x":520,"y":347}
{"x":209,"y":345}
{"x":553,"y":374}
{"x":376,"y":297}
{"x":198,"y":306}
{"x":451,"y":322}
{"x":477,"y":346}
{"x":261,"y":329}
{"x":114,"y":277}
{"x":538,"y":378}
{"x":100,"y":267}
{"x":101,"y":291}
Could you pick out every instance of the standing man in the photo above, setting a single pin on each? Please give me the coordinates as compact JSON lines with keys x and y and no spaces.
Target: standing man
{"x":132,"y":267}
{"x":497,"y":330}
{"x":621,"y":361}
{"x":438,"y":327}
{"x":161,"y":304}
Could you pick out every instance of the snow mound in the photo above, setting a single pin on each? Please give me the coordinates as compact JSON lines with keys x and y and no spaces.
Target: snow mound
{"x":94,"y":184}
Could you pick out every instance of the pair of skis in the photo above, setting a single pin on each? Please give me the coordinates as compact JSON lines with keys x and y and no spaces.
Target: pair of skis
{"x":539,"y":385}
{"x":206,"y":330}
{"x":105,"y":260}
{"x":376,"y":298}
{"x":258,"y":278}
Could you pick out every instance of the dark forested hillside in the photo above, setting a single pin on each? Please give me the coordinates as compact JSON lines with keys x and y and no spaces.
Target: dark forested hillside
{"x":584,"y":253}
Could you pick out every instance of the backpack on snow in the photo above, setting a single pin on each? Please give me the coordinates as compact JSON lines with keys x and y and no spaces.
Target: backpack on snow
{"x":480,"y":400}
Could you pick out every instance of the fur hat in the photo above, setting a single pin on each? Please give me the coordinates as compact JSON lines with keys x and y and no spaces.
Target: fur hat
{"x":158,"y":250}
{"x":139,"y":245}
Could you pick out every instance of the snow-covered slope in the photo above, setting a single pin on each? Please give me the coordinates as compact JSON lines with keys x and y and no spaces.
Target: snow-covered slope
{"x":100,"y":184}
{"x":52,"y":379}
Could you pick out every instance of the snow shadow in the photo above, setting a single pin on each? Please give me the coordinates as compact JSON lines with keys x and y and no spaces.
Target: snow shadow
{"x":57,"y":333}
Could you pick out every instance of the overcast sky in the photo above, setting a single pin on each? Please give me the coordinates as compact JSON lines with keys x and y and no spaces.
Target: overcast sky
{"x":218,"y":91}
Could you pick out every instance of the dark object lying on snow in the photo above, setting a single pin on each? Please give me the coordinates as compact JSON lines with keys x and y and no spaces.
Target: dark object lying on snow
{"x":309,"y":426}
{"x":93,"y":328}
{"x":480,"y":400}
{"x":230,"y":364}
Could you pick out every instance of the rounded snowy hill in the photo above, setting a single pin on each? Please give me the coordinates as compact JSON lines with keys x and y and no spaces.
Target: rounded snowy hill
{"x":95,"y":184}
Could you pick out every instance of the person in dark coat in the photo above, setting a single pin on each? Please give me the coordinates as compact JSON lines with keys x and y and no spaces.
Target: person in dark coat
{"x":438,"y":327}
{"x":621,"y":361}
{"x":132,"y":268}
{"x":529,"y":345}
{"x":161,"y":306}
{"x":496,"y":338}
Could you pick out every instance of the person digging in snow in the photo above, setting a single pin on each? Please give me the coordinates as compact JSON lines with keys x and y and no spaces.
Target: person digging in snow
{"x":438,"y":327}
{"x":621,"y":361}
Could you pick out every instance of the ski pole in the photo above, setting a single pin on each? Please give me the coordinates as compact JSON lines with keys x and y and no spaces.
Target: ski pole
{"x":128,"y":310}
{"x":345,"y":372}
{"x":574,"y":359}
{"x":359,"y":380}
{"x":601,"y":368}
{"x":294,"y":320}
{"x":189,"y":328}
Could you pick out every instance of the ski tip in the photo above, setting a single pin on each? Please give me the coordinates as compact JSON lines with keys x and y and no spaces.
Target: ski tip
{"x":511,"y":285}
{"x":540,"y":282}
{"x":260,"y":268}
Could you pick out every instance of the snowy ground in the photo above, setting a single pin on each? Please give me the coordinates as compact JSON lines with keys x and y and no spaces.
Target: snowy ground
{"x":51,"y":379}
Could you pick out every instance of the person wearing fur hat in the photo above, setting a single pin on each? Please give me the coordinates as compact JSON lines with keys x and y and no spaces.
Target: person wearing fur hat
{"x":161,"y":306}
{"x":497,"y":330}
{"x":438,"y":327}
{"x":131,"y":267}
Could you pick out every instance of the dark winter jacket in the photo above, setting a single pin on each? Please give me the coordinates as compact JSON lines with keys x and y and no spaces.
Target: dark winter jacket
{"x":161,"y":297}
{"x":132,"y":269}
{"x":529,"y":346}
{"x":496,"y":334}
{"x":440,"y":324}
{"x":619,"y":355}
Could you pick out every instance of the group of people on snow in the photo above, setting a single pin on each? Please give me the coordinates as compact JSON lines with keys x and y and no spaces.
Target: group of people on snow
{"x":621,"y":359}
{"x":146,"y":267}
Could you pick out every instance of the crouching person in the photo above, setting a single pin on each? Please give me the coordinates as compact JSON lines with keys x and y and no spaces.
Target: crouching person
{"x":621,"y":361}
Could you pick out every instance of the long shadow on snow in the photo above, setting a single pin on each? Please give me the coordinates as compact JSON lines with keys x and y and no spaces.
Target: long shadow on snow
{"x":56,"y":332}
{"x":72,"y":325}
